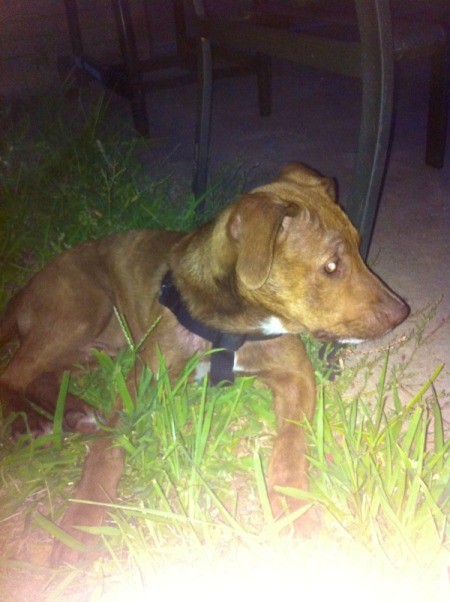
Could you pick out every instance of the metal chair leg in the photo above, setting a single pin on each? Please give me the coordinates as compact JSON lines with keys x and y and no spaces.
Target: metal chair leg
{"x":70,"y":73}
{"x":438,"y":110}
{"x":73,"y":23}
{"x":376,"y":119}
{"x":264,"y":75}
{"x":203,"y":130}
{"x":128,"y":48}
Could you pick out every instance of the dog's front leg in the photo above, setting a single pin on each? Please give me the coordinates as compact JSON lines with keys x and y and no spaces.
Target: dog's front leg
{"x":294,"y":400}
{"x":102,"y":470}
{"x":282,"y":364}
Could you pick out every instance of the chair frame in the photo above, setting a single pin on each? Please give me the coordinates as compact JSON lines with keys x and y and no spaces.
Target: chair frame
{"x":127,"y":78}
{"x":371,"y":59}
{"x":250,"y":47}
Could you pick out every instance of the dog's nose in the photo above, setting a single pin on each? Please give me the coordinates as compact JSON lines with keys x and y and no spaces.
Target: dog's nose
{"x":393,"y":311}
{"x":403,"y":312}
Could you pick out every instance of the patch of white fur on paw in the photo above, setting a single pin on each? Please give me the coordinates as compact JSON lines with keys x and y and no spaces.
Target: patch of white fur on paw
{"x":88,"y":424}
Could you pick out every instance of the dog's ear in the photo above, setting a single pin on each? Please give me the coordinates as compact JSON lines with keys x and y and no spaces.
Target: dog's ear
{"x":305,"y":176}
{"x":254,"y":225}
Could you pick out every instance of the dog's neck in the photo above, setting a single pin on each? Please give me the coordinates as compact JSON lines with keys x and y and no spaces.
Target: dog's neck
{"x":205,"y":276}
{"x":224,"y":344}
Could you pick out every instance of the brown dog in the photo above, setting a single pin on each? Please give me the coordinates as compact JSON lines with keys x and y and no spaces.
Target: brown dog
{"x":281,"y":260}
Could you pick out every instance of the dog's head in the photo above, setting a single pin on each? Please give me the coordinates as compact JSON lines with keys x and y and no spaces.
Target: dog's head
{"x":297,"y":256}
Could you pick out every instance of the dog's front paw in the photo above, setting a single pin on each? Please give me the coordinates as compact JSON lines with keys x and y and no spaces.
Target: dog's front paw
{"x":75,"y":543}
{"x":302,"y":519}
{"x":98,"y":485}
{"x":63,"y":554}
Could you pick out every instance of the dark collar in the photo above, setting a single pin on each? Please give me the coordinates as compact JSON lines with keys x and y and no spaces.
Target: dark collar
{"x":227,"y":343}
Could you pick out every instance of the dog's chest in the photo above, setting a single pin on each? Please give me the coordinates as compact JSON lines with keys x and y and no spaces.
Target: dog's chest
{"x":191,"y":344}
{"x":189,"y":341}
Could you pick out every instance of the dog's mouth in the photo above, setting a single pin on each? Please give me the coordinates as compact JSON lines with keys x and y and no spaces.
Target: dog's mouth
{"x":325,"y":336}
{"x":374,"y":326}
{"x":328,"y":337}
{"x":351,"y":341}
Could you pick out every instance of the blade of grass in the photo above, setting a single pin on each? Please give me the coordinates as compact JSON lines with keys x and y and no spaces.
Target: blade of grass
{"x":203,"y":425}
{"x":58,"y":533}
{"x":59,"y":409}
{"x":423,"y":389}
{"x":262,"y":488}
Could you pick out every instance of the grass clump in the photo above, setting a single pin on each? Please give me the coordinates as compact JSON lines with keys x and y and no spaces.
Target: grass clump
{"x":380,"y":473}
{"x":69,"y":178}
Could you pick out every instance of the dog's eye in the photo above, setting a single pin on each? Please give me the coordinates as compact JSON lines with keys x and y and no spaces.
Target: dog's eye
{"x":330,"y":267}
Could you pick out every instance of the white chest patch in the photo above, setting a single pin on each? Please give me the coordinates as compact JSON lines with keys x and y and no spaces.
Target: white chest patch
{"x":272,"y":325}
{"x":236,"y":366}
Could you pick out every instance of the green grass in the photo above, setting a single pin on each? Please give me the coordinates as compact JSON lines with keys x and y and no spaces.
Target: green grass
{"x":194,"y":486}
{"x":65,"y":179}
